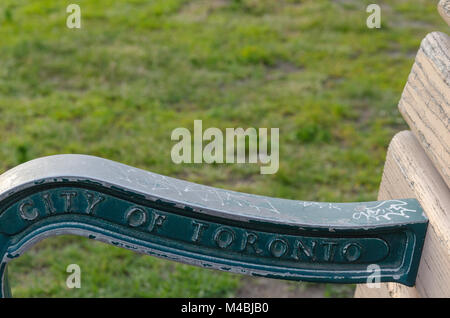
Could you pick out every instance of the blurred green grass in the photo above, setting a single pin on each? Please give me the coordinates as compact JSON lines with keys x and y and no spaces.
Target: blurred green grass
{"x":137,"y":69}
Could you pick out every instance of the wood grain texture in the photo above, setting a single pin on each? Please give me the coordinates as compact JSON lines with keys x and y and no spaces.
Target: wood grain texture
{"x":425,"y":101}
{"x":408,"y":172}
{"x":444,"y":10}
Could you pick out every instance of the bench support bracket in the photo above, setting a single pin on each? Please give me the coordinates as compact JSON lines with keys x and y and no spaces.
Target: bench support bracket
{"x":205,"y":226}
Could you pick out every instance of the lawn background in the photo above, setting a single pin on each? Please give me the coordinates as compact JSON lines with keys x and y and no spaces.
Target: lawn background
{"x":137,"y":69}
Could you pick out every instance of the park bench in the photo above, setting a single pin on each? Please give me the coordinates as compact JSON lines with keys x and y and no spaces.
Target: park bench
{"x":403,"y":239}
{"x":418,"y":163}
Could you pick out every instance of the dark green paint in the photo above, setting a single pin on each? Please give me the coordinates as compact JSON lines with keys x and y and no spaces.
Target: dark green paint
{"x":208,"y":227}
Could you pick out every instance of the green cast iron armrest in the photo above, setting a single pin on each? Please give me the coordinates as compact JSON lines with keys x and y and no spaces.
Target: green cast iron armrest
{"x":206,"y":226}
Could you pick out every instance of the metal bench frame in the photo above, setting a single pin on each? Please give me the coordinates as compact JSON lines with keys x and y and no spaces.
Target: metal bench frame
{"x":206,"y":226}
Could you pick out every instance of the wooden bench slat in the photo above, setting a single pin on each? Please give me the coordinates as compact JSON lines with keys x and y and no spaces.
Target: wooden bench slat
{"x":408,"y":172}
{"x":425,"y":101}
{"x":444,"y":10}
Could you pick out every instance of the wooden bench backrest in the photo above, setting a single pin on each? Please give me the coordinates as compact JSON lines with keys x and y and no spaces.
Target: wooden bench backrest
{"x":418,"y":164}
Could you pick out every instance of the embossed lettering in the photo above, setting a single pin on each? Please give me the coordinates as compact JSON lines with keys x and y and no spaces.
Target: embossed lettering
{"x":224,"y":237}
{"x":278,"y":247}
{"x":68,"y":196}
{"x":299,"y":247}
{"x":290,"y":247}
{"x":93,"y":201}
{"x":198,"y":230}
{"x":136,"y":217}
{"x":157,"y":221}
{"x":249,"y":240}
{"x":27,"y":212}
{"x":48,"y":203}
{"x":328,"y":250}
{"x":351,"y":252}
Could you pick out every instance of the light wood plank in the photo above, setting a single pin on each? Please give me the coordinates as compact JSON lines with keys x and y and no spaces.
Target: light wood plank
{"x":425,"y":101}
{"x":444,"y":10}
{"x":408,"y":172}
